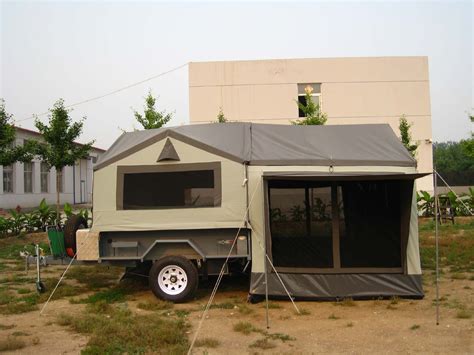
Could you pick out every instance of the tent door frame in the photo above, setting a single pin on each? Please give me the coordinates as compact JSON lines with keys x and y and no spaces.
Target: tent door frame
{"x":336,"y":269}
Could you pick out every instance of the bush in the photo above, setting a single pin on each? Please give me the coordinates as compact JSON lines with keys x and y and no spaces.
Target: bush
{"x":35,"y":221}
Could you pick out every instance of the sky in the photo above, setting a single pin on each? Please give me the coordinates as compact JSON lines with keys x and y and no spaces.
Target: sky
{"x":78,"y":50}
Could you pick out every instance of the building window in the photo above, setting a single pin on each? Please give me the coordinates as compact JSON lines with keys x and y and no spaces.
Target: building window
{"x":150,"y":187}
{"x":44,"y":177}
{"x":314,"y":89}
{"x":60,"y":179}
{"x":28,"y":177}
{"x":8,"y":179}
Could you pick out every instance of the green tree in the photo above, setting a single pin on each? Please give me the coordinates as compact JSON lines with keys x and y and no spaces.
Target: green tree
{"x":59,"y":148}
{"x":312,"y":112}
{"x":9,"y":152}
{"x":467,"y":145}
{"x":220,"y":116}
{"x":406,"y":139}
{"x":152,"y":118}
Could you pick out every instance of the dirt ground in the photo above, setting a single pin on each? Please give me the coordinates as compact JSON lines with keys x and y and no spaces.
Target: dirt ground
{"x":373,"y":326}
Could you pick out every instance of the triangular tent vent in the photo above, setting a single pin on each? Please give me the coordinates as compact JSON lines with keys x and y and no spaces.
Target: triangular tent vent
{"x":168,"y":152}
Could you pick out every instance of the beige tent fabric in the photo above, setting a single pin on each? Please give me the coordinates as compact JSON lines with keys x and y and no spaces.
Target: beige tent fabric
{"x":228,"y":215}
{"x":413,"y":247}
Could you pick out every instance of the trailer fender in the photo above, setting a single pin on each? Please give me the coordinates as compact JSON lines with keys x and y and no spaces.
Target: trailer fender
{"x":177,"y":247}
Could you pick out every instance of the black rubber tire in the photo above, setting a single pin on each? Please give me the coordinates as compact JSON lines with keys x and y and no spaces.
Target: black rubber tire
{"x":191,"y":274}
{"x":73,"y":223}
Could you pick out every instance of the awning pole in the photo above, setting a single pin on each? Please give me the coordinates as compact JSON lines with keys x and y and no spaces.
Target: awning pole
{"x":266,"y":290}
{"x":436,"y":242}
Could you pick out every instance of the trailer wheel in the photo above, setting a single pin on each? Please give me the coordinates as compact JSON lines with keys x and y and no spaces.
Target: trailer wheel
{"x":73,"y":223}
{"x":173,"y":278}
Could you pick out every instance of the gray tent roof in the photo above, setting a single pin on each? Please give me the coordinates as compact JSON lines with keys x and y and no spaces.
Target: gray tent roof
{"x":267,"y":144}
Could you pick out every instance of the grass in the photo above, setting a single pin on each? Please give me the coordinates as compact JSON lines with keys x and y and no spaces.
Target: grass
{"x":224,"y":305}
{"x":245,"y":309}
{"x":156,"y":305}
{"x":394,"y":300}
{"x":279,"y":336}
{"x":207,"y":343}
{"x":24,"y":291}
{"x":303,"y":312}
{"x":463,"y":314}
{"x":333,"y":317}
{"x":346,"y":302}
{"x":263,"y":344}
{"x":415,"y":327}
{"x":273,"y":305}
{"x":349,"y":325}
{"x":11,"y":344}
{"x":109,"y":296}
{"x":456,"y":245}
{"x":458,"y":276}
{"x":6,"y":327}
{"x":120,"y":331}
{"x":95,"y":277}
{"x":245,"y":328}
{"x":20,"y":334}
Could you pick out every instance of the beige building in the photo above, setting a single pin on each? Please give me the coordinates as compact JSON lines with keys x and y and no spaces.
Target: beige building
{"x":349,"y":90}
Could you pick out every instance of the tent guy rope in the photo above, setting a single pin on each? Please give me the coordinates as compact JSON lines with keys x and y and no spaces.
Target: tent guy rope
{"x":221,"y":274}
{"x":109,"y":93}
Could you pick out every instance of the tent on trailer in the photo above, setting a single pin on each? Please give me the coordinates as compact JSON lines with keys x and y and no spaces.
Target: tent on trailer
{"x":333,"y":207}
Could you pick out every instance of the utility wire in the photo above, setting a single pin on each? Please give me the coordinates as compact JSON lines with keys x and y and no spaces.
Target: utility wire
{"x":112,"y":92}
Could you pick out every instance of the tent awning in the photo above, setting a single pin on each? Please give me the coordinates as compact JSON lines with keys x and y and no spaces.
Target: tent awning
{"x":327,"y":176}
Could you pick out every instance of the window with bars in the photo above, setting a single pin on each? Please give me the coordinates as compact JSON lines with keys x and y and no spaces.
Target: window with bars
{"x":28,"y":177}
{"x":8,"y":179}
{"x":44,"y":178}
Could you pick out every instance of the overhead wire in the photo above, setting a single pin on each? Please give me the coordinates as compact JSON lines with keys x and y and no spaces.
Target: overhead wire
{"x":111,"y":92}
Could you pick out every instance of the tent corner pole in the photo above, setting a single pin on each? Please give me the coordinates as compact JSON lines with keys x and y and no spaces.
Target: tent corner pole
{"x":435,"y":186}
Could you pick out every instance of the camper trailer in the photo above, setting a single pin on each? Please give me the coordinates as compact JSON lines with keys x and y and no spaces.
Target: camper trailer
{"x":333,"y":208}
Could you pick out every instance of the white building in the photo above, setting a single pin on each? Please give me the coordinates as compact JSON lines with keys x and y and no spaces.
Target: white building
{"x":26,"y":184}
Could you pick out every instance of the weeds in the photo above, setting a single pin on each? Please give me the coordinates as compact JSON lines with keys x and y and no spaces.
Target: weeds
{"x":394,"y":300}
{"x":225,"y":305}
{"x":346,"y":302}
{"x":463,"y":314}
{"x":272,"y":305}
{"x":349,"y":325}
{"x":20,"y":334}
{"x":333,"y":317}
{"x":244,"y":309}
{"x":6,"y":327}
{"x":415,"y":327}
{"x":120,"y":331}
{"x":279,"y":336}
{"x":207,"y":343}
{"x":157,"y":305}
{"x":303,"y":312}
{"x":262,"y":344}
{"x":95,"y":277}
{"x":245,"y":328}
{"x":11,"y":344}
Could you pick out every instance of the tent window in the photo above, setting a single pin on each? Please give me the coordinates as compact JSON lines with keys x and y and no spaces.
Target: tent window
{"x":151,"y":189}
{"x":369,"y":224}
{"x":301,"y":225}
{"x":338,"y":227}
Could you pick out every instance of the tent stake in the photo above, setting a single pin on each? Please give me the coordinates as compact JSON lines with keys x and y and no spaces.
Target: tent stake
{"x":436,"y":242}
